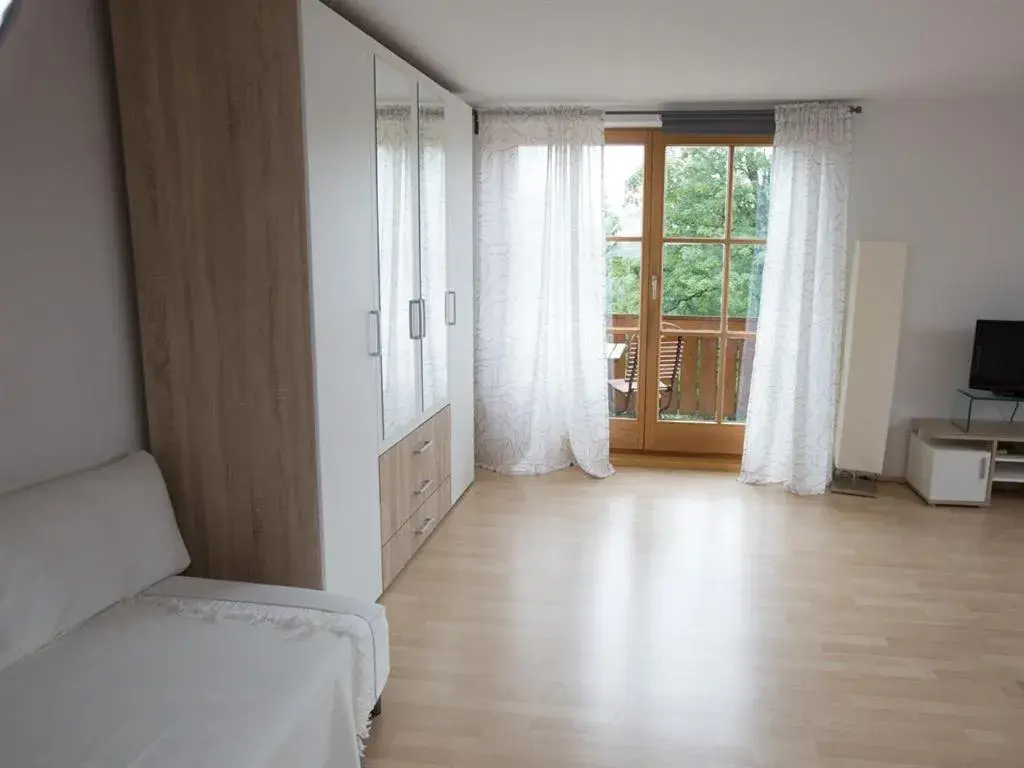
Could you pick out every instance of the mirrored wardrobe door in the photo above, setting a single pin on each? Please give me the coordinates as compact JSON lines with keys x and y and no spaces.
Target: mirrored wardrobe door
{"x":401,"y":317}
{"x":433,"y":246}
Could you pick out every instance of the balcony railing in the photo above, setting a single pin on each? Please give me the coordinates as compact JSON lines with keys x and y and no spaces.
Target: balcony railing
{"x":692,"y":393}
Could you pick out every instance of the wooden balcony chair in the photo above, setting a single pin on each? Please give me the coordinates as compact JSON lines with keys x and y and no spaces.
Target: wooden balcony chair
{"x":670,"y":358}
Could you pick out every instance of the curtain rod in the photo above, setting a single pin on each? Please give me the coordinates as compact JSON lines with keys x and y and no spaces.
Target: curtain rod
{"x":854,"y":109}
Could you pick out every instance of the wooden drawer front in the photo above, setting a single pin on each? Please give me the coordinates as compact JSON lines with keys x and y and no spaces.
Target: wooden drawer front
{"x":410,"y":537}
{"x":412,"y":470}
{"x":431,"y":449}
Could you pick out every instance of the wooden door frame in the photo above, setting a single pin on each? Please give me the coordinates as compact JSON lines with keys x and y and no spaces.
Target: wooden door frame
{"x":709,"y":438}
{"x":647,"y":433}
{"x":625,"y":433}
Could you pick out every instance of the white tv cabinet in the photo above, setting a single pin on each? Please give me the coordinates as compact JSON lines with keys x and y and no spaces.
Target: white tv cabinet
{"x":948,"y":466}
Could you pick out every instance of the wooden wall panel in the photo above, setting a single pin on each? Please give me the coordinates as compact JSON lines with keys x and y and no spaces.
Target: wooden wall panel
{"x":210,"y":101}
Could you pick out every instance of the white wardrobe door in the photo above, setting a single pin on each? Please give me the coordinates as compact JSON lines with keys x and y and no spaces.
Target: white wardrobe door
{"x":338,"y":95}
{"x":461,"y":223}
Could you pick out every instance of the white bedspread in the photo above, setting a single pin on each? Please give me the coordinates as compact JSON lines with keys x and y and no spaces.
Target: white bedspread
{"x":366,"y":622}
{"x":144,"y":686}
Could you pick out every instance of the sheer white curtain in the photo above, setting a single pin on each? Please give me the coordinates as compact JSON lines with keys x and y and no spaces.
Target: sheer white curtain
{"x":793,"y":389}
{"x":541,"y":372}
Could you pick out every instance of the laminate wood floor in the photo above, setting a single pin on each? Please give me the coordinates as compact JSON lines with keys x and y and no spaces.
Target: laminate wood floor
{"x":664,"y":618}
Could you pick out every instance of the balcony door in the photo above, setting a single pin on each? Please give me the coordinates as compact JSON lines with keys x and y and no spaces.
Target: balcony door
{"x":685,"y":226}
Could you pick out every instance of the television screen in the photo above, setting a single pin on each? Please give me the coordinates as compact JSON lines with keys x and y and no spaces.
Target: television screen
{"x":998,"y":360}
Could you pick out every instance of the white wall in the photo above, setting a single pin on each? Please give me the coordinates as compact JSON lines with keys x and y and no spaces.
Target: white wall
{"x":70,"y":392}
{"x":948,"y":178}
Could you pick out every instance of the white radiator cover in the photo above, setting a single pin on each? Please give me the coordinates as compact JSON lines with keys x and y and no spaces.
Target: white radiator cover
{"x":873,"y":315}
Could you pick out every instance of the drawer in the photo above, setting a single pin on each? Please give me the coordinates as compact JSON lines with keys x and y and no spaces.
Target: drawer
{"x":410,"y":537}
{"x":431,"y":449}
{"x":412,"y":471}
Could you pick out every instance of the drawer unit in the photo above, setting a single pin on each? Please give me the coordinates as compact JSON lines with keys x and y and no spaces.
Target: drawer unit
{"x":398,"y":551}
{"x":412,"y":470}
{"x":415,"y":491}
{"x":431,"y":451}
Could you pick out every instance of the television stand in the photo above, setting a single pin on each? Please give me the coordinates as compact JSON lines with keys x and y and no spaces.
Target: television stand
{"x":948,"y":466}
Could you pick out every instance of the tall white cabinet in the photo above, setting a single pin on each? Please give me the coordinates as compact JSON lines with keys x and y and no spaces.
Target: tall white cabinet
{"x":301,"y":211}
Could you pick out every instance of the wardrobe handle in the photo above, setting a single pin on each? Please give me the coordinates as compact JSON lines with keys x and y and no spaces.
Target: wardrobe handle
{"x":423,"y":448}
{"x":449,"y":308}
{"x":423,"y":487}
{"x":374,"y":337}
{"x":414,"y":319}
{"x":983,"y":468}
{"x":423,"y":528}
{"x":423,"y":318}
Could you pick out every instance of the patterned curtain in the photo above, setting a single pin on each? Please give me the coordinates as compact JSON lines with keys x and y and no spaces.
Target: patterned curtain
{"x":793,"y":389}
{"x":541,"y":372}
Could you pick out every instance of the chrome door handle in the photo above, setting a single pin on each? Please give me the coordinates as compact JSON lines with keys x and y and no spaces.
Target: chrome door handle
{"x":983,"y":468}
{"x":415,"y":319}
{"x":374,"y":337}
{"x":423,"y":528}
{"x":449,"y":308}
{"x":423,"y":487}
{"x":424,"y":448}
{"x":654,"y":287}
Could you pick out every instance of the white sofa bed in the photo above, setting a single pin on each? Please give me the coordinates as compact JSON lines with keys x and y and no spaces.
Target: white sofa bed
{"x":108,"y":658}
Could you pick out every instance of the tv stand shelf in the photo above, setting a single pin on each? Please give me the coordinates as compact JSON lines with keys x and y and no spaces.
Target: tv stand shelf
{"x":967,"y":403}
{"x":948,"y":466}
{"x":1007,"y":473}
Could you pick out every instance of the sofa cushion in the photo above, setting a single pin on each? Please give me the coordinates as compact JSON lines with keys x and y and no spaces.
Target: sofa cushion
{"x":71,"y":547}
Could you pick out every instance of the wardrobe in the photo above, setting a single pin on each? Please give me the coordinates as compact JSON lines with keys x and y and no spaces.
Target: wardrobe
{"x":301,"y":216}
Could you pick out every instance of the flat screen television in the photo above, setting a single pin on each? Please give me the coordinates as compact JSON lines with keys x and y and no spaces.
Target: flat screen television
{"x":998,"y":360}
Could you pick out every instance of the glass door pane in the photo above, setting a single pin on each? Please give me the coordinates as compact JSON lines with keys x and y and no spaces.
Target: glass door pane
{"x":622,"y":343}
{"x":624,"y":190}
{"x":696,"y":187}
{"x":433,"y":247}
{"x":751,"y":194}
{"x":624,"y":171}
{"x":691,"y":316}
{"x":692,"y":287}
{"x":397,"y":245}
{"x":752,"y":186}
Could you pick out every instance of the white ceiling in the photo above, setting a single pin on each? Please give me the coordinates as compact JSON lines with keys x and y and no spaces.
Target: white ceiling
{"x":647,"y":53}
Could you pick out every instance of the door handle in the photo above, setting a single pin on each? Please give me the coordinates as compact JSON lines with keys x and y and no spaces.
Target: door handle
{"x":374,"y":336}
{"x":423,"y":488}
{"x":415,"y":319}
{"x":449,"y":308}
{"x":983,"y":468}
{"x":423,"y":318}
{"x":654,"y":287}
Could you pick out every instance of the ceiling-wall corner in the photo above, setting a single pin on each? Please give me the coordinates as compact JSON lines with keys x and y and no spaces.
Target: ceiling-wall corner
{"x":353,"y":15}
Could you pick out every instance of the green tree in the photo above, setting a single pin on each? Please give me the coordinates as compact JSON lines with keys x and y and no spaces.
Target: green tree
{"x":695,"y":200}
